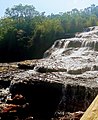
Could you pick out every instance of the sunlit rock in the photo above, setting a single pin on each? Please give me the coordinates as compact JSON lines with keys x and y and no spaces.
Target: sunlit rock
{"x":65,"y":80}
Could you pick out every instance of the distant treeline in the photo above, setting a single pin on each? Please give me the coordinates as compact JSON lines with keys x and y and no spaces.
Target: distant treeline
{"x":26,"y":33}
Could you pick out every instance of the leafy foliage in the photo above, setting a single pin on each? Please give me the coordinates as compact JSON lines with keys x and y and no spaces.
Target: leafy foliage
{"x":25,"y":33}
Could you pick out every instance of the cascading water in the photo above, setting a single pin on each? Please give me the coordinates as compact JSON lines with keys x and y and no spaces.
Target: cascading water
{"x":66,"y":78}
{"x":79,"y":54}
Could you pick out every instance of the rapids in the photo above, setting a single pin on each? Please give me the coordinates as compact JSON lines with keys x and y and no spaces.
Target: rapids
{"x":78,"y":55}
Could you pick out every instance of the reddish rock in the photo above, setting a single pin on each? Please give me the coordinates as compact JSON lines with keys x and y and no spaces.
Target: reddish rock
{"x":18,"y":99}
{"x":11,"y":111}
{"x":10,"y":108}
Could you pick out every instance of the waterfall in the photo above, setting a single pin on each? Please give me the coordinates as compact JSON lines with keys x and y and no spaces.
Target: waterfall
{"x":77,"y":55}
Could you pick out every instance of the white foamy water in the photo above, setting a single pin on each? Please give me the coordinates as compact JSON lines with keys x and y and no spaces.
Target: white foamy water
{"x":77,"y":55}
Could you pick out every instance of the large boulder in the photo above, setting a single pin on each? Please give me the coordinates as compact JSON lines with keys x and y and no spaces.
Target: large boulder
{"x":66,"y":79}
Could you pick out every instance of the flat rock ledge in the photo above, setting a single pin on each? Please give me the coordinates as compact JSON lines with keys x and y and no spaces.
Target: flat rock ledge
{"x":43,"y":93}
{"x":61,"y":86}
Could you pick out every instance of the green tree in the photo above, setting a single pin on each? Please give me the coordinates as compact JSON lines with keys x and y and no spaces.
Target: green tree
{"x":45,"y":34}
{"x":20,"y":11}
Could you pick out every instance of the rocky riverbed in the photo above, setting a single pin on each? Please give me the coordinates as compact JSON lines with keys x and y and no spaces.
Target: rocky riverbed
{"x":60,"y":86}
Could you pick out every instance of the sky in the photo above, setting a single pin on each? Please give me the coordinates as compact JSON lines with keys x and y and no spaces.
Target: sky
{"x":48,"y":6}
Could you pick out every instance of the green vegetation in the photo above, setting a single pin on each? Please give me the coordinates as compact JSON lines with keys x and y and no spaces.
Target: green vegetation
{"x":25,"y":33}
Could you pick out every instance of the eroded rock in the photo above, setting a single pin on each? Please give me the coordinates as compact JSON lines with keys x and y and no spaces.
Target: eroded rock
{"x":66,"y":80}
{"x":68,"y":116}
{"x":43,"y":96}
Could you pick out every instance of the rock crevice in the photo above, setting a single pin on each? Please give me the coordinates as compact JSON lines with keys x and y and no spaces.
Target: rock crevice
{"x":65,"y":80}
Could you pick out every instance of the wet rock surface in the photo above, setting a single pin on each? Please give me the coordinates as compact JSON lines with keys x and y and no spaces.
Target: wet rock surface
{"x":68,"y":116}
{"x":56,"y":87}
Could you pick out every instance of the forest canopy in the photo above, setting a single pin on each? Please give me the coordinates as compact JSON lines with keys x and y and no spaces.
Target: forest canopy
{"x":26,"y":33}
